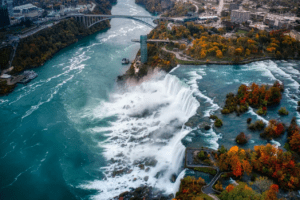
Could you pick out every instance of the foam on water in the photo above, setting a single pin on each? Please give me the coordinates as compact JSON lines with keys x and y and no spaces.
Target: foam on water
{"x":258,"y":117}
{"x":273,"y":67}
{"x":275,"y":143}
{"x":194,"y":76}
{"x":149,"y":127}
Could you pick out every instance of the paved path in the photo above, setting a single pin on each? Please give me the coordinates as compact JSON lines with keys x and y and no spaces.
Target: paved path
{"x":178,"y":56}
{"x":42,"y":27}
{"x":14,"y":80}
{"x":197,"y":8}
{"x":213,"y":196}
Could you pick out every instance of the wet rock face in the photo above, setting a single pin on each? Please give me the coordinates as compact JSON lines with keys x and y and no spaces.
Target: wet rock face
{"x":193,"y":121}
{"x":144,"y":192}
{"x":205,"y":126}
{"x":173,"y":178}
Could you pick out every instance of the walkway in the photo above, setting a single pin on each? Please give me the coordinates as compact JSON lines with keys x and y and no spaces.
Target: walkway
{"x":182,"y":57}
{"x":15,"y":79}
{"x":197,"y":8}
{"x":178,"y":56}
{"x":189,"y":163}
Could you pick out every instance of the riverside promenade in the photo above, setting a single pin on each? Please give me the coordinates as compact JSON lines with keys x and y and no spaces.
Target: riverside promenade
{"x":190,"y":154}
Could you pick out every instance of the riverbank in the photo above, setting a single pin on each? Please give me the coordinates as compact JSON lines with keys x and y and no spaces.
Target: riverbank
{"x":35,"y":50}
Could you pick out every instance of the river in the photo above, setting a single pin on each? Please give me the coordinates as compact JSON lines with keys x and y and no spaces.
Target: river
{"x":71,"y":133}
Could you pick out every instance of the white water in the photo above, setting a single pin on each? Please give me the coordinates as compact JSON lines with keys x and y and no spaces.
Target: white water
{"x":149,"y":125}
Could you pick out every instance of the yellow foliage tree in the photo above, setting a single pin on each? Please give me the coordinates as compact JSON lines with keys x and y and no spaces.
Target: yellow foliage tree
{"x":219,"y":54}
{"x":182,"y":47}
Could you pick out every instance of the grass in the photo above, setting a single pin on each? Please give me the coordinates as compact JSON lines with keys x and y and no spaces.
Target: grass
{"x":206,"y":170}
{"x":242,"y":32}
{"x":205,"y":196}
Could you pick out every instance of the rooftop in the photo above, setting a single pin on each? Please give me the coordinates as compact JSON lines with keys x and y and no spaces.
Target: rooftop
{"x":26,"y":6}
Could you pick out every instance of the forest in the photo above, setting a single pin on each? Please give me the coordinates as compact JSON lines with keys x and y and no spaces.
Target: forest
{"x":5,"y":54}
{"x":179,"y":9}
{"x":259,"y":97}
{"x":208,"y":43}
{"x":153,"y":6}
{"x":35,"y":50}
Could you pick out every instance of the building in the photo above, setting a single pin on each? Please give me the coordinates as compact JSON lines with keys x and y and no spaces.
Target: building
{"x":144,"y":54}
{"x":234,"y":6}
{"x":283,"y":24}
{"x":270,"y":22}
{"x":62,"y":10}
{"x":27,"y":10}
{"x":9,"y":5}
{"x":4,"y":16}
{"x":294,"y":34}
{"x":258,"y":16}
{"x":239,"y":16}
{"x":259,"y":26}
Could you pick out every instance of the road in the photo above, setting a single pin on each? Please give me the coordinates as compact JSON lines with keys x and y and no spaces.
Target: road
{"x":197,"y":8}
{"x":37,"y":30}
{"x":220,"y":8}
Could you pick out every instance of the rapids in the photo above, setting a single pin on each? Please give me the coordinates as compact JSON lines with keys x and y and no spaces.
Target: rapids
{"x":73,"y":133}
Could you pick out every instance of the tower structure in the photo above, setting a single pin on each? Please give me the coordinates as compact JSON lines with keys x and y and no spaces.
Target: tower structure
{"x":143,"y":41}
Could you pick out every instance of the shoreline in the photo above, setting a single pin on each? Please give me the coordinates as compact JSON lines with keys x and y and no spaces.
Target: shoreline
{"x":6,"y":89}
{"x":127,"y":75}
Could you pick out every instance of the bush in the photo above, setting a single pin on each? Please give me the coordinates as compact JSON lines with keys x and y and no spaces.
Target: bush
{"x":261,"y":111}
{"x":218,"y":186}
{"x":257,"y":126}
{"x":218,"y":123}
{"x":241,"y":138}
{"x":214,"y":117}
{"x":201,"y":155}
{"x":283,"y":111}
{"x":225,"y":111}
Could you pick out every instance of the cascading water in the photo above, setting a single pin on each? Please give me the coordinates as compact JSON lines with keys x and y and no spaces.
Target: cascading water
{"x":143,"y":144}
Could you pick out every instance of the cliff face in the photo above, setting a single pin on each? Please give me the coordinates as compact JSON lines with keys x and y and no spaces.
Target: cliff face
{"x":35,"y":50}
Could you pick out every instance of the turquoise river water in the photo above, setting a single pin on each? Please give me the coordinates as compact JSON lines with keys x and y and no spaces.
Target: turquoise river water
{"x":71,"y":132}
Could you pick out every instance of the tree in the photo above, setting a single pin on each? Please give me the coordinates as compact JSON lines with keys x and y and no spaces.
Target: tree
{"x":219,"y":54}
{"x":262,"y":184}
{"x":241,"y":191}
{"x":182,"y":47}
{"x":294,"y":142}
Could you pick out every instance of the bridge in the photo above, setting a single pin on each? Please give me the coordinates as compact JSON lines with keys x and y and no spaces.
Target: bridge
{"x":159,"y":41}
{"x":90,"y":20}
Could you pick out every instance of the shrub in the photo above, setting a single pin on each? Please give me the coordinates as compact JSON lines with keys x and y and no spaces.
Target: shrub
{"x":218,"y":123}
{"x":225,"y":111}
{"x":218,"y":186}
{"x":249,"y":120}
{"x":262,"y":111}
{"x":241,"y":138}
{"x":201,"y":155}
{"x":214,"y":117}
{"x":257,"y":126}
{"x":283,"y":111}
